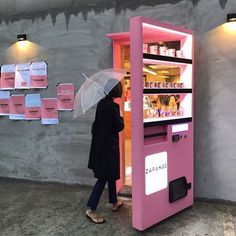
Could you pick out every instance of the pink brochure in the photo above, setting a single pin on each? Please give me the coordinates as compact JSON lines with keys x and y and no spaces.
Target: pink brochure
{"x":49,"y":112}
{"x":38,"y":75}
{"x":4,"y":103}
{"x":22,"y":76}
{"x":65,"y":96}
{"x":32,"y":107}
{"x":7,"y":77}
{"x":17,"y":107}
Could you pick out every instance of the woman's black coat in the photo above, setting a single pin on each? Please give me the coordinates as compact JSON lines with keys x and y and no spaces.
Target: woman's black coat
{"x":104,"y":158}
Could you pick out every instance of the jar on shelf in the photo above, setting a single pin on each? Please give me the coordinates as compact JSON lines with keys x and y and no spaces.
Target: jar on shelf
{"x":153,"y":49}
{"x":163,"y":50}
{"x":179,"y":53}
{"x":171,"y":52}
{"x":145,"y":48}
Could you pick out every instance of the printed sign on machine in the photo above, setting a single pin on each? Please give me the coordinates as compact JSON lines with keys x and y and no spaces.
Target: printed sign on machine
{"x":155,"y":172}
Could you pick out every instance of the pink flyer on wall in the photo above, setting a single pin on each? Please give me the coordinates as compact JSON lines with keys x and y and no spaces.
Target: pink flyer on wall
{"x":38,"y":75}
{"x":17,"y":107}
{"x":4,"y":103}
{"x":7,"y":77}
{"x":65,"y":96}
{"x":22,"y":76}
{"x":49,"y":112}
{"x":32,"y":107}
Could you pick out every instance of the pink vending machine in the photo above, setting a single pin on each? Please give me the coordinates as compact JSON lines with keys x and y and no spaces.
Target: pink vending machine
{"x":157,"y":144}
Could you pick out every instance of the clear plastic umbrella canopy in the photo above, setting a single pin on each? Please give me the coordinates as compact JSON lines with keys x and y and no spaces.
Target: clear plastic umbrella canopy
{"x":95,"y":88}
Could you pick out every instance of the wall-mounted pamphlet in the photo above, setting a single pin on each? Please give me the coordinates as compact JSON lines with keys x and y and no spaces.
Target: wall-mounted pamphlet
{"x":32,"y":107}
{"x":4,"y":103}
{"x":17,"y":107}
{"x":38,"y":75}
{"x":22,"y":76}
{"x":49,"y":112}
{"x":7,"y":77}
{"x":65,"y":96}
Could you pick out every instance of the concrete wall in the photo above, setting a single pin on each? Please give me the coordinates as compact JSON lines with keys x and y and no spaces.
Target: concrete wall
{"x":70,"y":36}
{"x":215,"y":115}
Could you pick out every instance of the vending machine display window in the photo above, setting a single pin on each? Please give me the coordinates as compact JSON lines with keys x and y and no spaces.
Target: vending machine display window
{"x":166,"y":108}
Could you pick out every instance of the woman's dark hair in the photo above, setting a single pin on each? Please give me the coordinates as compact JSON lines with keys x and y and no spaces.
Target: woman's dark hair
{"x":116,"y":92}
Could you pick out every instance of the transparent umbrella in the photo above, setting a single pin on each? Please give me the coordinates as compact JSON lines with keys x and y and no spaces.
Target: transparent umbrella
{"x":95,"y":88}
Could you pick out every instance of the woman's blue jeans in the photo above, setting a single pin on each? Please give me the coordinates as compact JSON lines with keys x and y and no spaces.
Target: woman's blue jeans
{"x":97,"y":192}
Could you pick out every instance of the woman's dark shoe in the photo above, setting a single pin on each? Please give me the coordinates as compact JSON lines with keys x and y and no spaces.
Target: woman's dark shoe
{"x":116,"y":206}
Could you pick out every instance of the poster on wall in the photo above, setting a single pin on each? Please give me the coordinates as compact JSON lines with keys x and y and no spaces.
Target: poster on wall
{"x":4,"y":103}
{"x":32,"y":107}
{"x":17,"y":107}
{"x":65,"y":96}
{"x":7,"y":80}
{"x":38,"y":75}
{"x":49,"y":112}
{"x":22,"y":76}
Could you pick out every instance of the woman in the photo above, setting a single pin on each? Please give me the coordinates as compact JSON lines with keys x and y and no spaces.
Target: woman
{"x":104,"y":158}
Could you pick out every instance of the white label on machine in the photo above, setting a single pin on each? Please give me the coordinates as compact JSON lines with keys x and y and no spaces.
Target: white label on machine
{"x":179,"y":128}
{"x":155,"y":172}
